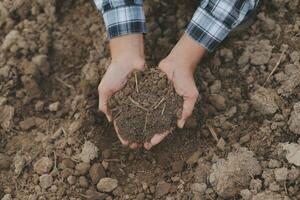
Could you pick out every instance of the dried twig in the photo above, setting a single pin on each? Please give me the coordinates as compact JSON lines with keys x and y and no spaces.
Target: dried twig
{"x":136,"y":82}
{"x":213,"y":132}
{"x":137,"y":104}
{"x":275,"y":67}
{"x":64,"y":83}
{"x":158,"y":104}
{"x":145,"y":124}
{"x":163,"y":110}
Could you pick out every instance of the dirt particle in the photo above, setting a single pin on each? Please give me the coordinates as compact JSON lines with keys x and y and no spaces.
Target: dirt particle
{"x":46,"y":181}
{"x":19,"y":163}
{"x":198,"y":188}
{"x":68,"y":163}
{"x":82,"y":168}
{"x":41,"y":62}
{"x":107,"y":184}
{"x":94,"y":195}
{"x":7,"y":197}
{"x":106,"y":154}
{"x":72,"y":180}
{"x":162,"y":188}
{"x":193,"y":158}
{"x":53,"y":107}
{"x":83,"y":182}
{"x":27,"y":124}
{"x":294,"y":121}
{"x":267,"y":196}
{"x":246,"y":194}
{"x":89,"y":152}
{"x":216,"y":87}
{"x":43,"y":165}
{"x":274,"y":164}
{"x":6,"y":116}
{"x":292,"y":153}
{"x":96,"y":172}
{"x":218,"y":101}
{"x":264,"y":100}
{"x":281,"y":174}
{"x":240,"y":163}
{"x":177,"y":166}
{"x":255,"y":185}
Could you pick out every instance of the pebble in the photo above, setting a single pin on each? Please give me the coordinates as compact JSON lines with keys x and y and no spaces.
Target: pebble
{"x":7,"y":197}
{"x":43,"y":165}
{"x":162,"y":188}
{"x":107,"y":184}
{"x":281,"y":174}
{"x":27,"y":124}
{"x":89,"y":152}
{"x":177,"y":166}
{"x":274,"y":164}
{"x":39,"y":106}
{"x":245,"y":139}
{"x":19,"y":163}
{"x":198,"y":188}
{"x":71,"y":180}
{"x":53,"y":188}
{"x":5,"y":162}
{"x":96,"y":172}
{"x":218,"y":101}
{"x":54,"y":107}
{"x":246,"y":194}
{"x":82,"y":168}
{"x":83,"y":182}
{"x":68,"y":163}
{"x":46,"y":181}
{"x":274,"y":187}
{"x":194,"y":158}
{"x":292,"y":153}
{"x":215,"y":87}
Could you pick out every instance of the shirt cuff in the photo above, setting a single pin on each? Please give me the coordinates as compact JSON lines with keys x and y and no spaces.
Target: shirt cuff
{"x":208,"y":31}
{"x":124,"y":20}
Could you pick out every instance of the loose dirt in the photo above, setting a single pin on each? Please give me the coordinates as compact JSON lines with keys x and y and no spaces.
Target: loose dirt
{"x":146,"y":106}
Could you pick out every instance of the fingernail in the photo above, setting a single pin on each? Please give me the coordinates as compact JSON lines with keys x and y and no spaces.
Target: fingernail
{"x":181,"y":123}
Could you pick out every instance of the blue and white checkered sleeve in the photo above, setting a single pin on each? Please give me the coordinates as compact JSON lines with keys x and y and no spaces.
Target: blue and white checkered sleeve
{"x":122,"y":17}
{"x":214,"y":19}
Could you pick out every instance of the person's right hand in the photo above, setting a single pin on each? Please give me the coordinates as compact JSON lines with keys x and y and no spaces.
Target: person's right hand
{"x":127,"y":56}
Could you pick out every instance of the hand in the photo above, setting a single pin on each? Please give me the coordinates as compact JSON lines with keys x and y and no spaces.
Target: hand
{"x":127,"y":56}
{"x":179,"y":66}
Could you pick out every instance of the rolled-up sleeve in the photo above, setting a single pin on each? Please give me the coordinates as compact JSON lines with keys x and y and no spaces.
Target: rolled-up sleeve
{"x":122,"y":17}
{"x":214,"y":19}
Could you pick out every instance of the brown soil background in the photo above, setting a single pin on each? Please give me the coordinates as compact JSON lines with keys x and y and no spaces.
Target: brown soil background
{"x":52,"y":57}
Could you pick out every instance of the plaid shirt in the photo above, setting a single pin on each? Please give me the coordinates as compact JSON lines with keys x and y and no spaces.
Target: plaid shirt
{"x":211,"y":23}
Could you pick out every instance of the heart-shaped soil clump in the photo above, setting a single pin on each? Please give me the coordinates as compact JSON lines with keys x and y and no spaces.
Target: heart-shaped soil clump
{"x":147,"y":105}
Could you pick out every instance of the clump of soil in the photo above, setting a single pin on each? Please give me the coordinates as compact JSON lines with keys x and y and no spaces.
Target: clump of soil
{"x":146,"y":106}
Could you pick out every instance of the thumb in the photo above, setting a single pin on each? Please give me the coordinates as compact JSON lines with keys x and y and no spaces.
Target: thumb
{"x":188,"y":107}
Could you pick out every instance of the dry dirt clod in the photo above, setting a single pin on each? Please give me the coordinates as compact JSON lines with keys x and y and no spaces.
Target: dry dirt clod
{"x":19,"y":163}
{"x":96,"y":172}
{"x":68,"y":163}
{"x":72,"y":180}
{"x":193,"y":158}
{"x":43,"y":165}
{"x":294,"y":121}
{"x":89,"y":152}
{"x":7,"y":197}
{"x":54,"y":107}
{"x":162,"y":188}
{"x":264,"y":100}
{"x":281,"y":174}
{"x":292,"y":153}
{"x":83,"y":182}
{"x":6,"y":116}
{"x":239,"y":167}
{"x":107,"y":184}
{"x":177,"y":166}
{"x":198,"y":188}
{"x":46,"y":181}
{"x":246,"y":194}
{"x":82,"y":168}
{"x":218,"y":101}
{"x":27,"y":124}
{"x":267,"y":196}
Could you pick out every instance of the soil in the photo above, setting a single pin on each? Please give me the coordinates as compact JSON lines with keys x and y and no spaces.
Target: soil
{"x":54,"y":144}
{"x":147,"y":105}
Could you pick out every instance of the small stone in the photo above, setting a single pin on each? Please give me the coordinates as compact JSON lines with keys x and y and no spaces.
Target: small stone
{"x":198,"y":188}
{"x":221,"y":144}
{"x":274,"y":164}
{"x":89,"y":152}
{"x":292,"y":153}
{"x":68,"y":163}
{"x":39,"y":106}
{"x":41,"y":61}
{"x":43,"y":165}
{"x":53,"y":188}
{"x":83,"y":182}
{"x":274,"y":187}
{"x":19,"y":163}
{"x":162,"y":188}
{"x":66,"y":172}
{"x":107,"y":184}
{"x":255,"y":185}
{"x":96,"y":172}
{"x":6,"y":117}
{"x":218,"y":101}
{"x":177,"y":166}
{"x":71,"y":180}
{"x":5,"y":162}
{"x":281,"y":174}
{"x":194,"y":158}
{"x":216,"y":87}
{"x":246,"y":194}
{"x":7,"y":197}
{"x":246,"y":138}
{"x":27,"y":124}
{"x":294,"y":121}
{"x":83,"y":168}
{"x":46,"y":181}
{"x":54,"y":107}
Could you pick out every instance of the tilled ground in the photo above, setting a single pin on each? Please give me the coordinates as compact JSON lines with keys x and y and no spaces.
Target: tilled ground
{"x":242,"y":142}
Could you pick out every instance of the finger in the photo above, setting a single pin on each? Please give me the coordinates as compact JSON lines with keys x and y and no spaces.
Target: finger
{"x":148,"y":146}
{"x":134,"y":146}
{"x":103,"y":100}
{"x":188,"y":107}
{"x":124,"y":142}
{"x":156,"y":139}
